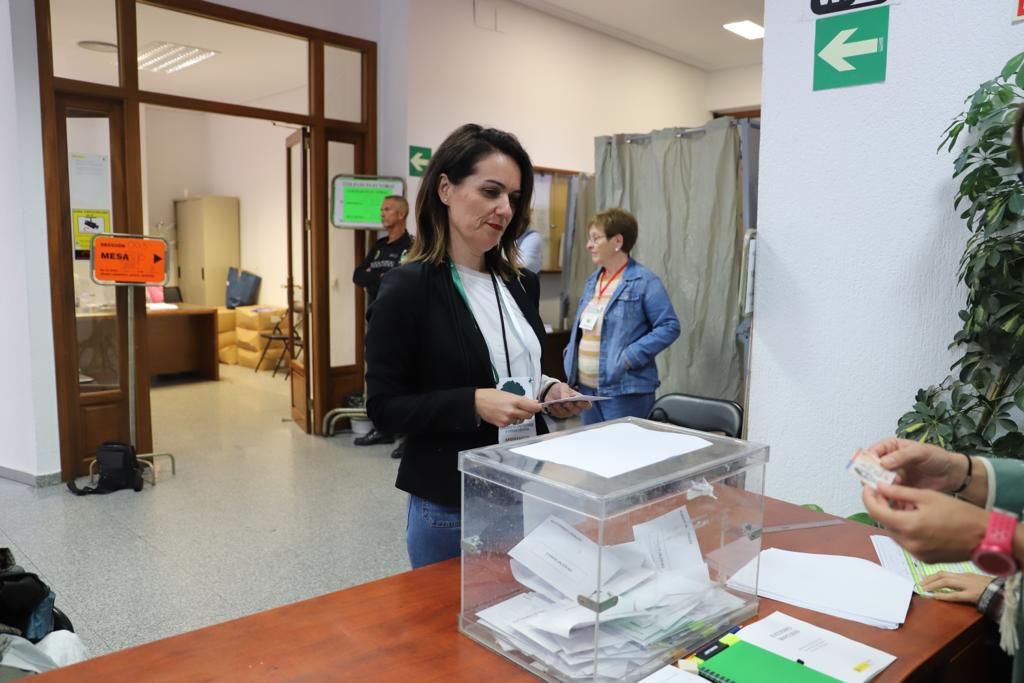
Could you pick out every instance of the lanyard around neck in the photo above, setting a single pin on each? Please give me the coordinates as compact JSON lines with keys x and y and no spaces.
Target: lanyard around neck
{"x":457,"y":281}
{"x":601,"y":288}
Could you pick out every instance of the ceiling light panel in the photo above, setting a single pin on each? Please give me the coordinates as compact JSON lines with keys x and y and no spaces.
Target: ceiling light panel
{"x":746,"y":29}
{"x":165,"y":57}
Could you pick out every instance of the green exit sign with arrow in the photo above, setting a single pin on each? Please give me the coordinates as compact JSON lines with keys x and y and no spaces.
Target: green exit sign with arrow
{"x":851,"y":49}
{"x":419,"y":157}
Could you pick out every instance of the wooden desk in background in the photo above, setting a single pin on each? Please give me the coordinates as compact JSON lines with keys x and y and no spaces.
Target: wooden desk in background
{"x":404,"y":628}
{"x":183,"y":340}
{"x":177,"y":340}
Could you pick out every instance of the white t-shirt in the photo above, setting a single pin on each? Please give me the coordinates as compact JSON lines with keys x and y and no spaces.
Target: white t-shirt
{"x":523,"y":345}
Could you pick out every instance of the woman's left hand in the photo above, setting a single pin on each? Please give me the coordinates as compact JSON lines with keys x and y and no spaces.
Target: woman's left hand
{"x":961,"y":587}
{"x":932,"y":526}
{"x":564,"y":410}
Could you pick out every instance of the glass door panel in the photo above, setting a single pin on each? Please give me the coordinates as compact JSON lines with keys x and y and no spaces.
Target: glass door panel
{"x":91,"y":213}
{"x":341,"y":263}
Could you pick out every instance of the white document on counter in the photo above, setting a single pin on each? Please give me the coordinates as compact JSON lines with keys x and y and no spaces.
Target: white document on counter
{"x":818,"y":648}
{"x":671,"y":674}
{"x":848,"y":587}
{"x":613,"y":449}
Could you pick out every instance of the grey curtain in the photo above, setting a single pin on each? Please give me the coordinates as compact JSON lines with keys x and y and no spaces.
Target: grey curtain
{"x":683,"y":187}
{"x":578,"y":266}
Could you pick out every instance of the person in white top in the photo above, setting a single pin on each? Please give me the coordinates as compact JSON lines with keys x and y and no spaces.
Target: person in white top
{"x":529,"y":250}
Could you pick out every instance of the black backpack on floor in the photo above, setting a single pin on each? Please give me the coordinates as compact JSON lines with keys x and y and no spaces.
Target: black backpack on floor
{"x":119,"y":469}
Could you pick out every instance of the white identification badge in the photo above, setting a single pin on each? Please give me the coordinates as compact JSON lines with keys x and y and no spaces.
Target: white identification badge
{"x":591,"y":315}
{"x":521,"y":386}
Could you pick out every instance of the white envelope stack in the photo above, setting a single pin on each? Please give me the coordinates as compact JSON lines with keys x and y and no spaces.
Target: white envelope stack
{"x":848,"y":587}
{"x":660,"y":579}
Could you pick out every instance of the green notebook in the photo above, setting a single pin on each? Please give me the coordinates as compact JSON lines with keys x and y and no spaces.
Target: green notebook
{"x":746,"y":663}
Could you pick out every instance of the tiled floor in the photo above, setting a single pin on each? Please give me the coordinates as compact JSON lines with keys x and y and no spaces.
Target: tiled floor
{"x":259,"y":515}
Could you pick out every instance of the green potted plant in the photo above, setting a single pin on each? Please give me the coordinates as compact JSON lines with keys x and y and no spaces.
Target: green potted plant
{"x":978,"y":409}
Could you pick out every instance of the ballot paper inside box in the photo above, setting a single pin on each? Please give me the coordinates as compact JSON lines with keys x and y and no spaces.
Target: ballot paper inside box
{"x":603,"y":553}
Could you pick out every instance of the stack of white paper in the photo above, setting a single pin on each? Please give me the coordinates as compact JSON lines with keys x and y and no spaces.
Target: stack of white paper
{"x":847,"y":587}
{"x":600,"y":450}
{"x":660,"y":580}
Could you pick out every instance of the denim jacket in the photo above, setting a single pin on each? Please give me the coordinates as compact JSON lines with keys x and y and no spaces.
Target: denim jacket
{"x":639,"y":322}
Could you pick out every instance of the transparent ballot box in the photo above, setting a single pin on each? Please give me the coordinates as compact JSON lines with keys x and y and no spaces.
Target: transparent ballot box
{"x":605,"y":552}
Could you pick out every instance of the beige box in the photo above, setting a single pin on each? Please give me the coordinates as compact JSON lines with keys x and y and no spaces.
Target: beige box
{"x":228,"y":355}
{"x":248,"y":358}
{"x":228,"y":338}
{"x":249,"y":339}
{"x":225,"y":319}
{"x":259,"y":318}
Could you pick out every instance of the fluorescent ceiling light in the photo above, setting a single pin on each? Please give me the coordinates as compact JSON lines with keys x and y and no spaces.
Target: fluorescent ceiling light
{"x":164,"y":57}
{"x":745,"y":28}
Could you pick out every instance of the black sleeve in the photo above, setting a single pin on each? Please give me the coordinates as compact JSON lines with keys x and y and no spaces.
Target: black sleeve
{"x":398,"y":400}
{"x":364,"y":277}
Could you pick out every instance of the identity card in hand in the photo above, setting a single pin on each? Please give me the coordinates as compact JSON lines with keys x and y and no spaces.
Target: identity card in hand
{"x":865,"y":466}
{"x":575,"y":398}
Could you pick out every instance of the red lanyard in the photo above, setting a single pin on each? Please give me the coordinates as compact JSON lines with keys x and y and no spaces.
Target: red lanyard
{"x":601,"y":288}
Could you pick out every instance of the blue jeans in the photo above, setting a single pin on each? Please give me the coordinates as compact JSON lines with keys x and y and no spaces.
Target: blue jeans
{"x":433,"y":533}
{"x":627,"y":405}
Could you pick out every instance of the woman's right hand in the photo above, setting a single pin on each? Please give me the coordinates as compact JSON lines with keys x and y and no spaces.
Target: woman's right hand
{"x":501,"y":408}
{"x":921,"y":465}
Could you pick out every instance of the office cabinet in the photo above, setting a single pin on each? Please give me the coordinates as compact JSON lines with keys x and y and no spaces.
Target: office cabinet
{"x":208,"y":244}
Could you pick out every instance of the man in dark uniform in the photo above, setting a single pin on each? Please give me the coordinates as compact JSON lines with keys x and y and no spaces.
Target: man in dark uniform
{"x":386,"y":253}
{"x":388,"y":250}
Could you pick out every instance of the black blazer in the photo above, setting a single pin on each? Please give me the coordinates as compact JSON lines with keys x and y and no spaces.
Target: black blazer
{"x":425,"y":358}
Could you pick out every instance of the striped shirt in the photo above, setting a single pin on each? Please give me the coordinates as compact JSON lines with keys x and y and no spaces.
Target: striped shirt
{"x":590,"y":343}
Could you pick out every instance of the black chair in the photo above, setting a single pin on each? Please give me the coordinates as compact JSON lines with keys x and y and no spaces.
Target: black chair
{"x":699,"y":412}
{"x":172,"y":295}
{"x":275,"y":335}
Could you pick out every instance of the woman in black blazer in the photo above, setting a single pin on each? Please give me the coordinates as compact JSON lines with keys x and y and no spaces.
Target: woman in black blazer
{"x":453,"y":323}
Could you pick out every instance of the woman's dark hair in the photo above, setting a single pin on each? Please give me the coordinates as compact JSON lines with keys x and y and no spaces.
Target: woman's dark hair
{"x":618,"y":222}
{"x":457,"y":158}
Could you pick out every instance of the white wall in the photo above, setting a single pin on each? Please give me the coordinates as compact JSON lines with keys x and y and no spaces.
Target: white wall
{"x":191,"y":154}
{"x":246,"y":159}
{"x":28,"y":407}
{"x":734,"y":89}
{"x":555,"y":85}
{"x":858,"y":243}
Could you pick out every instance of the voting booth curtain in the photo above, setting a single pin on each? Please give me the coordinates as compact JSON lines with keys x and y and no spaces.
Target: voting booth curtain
{"x":683,"y":187}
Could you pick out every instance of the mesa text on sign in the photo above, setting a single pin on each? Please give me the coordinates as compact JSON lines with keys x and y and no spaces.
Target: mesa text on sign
{"x":132,"y":260}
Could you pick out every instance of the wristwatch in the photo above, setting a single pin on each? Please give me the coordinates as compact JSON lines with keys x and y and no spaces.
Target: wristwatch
{"x":994,"y":555}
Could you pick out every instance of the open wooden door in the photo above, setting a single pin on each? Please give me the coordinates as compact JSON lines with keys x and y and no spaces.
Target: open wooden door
{"x":92,"y":320}
{"x":298,"y":233}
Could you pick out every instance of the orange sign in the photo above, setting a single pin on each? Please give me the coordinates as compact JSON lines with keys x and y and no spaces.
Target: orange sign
{"x":131,"y":260}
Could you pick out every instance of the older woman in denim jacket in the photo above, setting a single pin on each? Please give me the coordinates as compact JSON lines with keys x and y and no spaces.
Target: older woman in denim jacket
{"x":624,"y":319}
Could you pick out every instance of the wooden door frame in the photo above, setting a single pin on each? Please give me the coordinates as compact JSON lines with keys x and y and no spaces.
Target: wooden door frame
{"x":111,"y":110}
{"x":346,"y":379}
{"x":131,"y":99}
{"x":298,"y":140}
